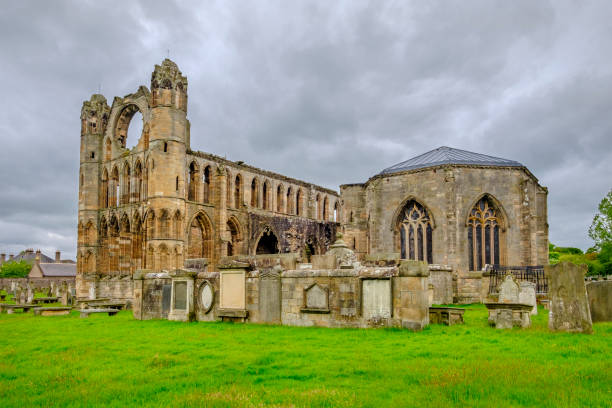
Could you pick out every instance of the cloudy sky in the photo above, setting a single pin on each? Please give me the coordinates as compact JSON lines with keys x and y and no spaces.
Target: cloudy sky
{"x":329,"y":92}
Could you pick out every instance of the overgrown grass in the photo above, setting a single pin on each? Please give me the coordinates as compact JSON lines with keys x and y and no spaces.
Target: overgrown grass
{"x":118,"y":361}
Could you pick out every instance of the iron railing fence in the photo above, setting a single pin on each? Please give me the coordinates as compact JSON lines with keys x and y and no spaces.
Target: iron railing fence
{"x":533,"y":274}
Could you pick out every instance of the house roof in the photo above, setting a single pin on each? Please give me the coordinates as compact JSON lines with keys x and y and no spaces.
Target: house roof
{"x":448,"y":155}
{"x":58,"y":269}
{"x":30,"y":256}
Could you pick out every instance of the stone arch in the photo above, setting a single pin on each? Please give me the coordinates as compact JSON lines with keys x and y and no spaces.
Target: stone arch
{"x":150,"y":224}
{"x":125,"y":183}
{"x":267,"y":243}
{"x":238,"y":191}
{"x":122,"y":123}
{"x":108,"y":149}
{"x":199,"y":237}
{"x":325,"y":210}
{"x":496,"y":203}
{"x":193,"y":181}
{"x":89,"y":233}
{"x":486,"y":239}
{"x":176,"y":225}
{"x":207,"y":185}
{"x":164,"y":257}
{"x":318,"y":212}
{"x":299,"y":203}
{"x":89,"y":262}
{"x":280,"y":193}
{"x":164,"y":224}
{"x":114,"y":187}
{"x":266,"y":195}
{"x":255,"y":193}
{"x":228,"y":189}
{"x":104,"y":202}
{"x":137,"y":242}
{"x":234,"y":246}
{"x":136,"y":193}
{"x":124,"y":225}
{"x":397,"y":214}
{"x":414,"y":232}
{"x":290,"y":202}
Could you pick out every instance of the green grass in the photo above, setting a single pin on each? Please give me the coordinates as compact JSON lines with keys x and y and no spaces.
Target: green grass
{"x":119,"y":361}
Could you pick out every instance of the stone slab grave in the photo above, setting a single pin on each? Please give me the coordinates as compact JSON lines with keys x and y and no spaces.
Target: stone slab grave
{"x":52,"y":311}
{"x":569,"y":306}
{"x":509,"y":311}
{"x":600,"y":300}
{"x":84,"y":313}
{"x":446,"y":315}
{"x":182,"y":306}
{"x":376,"y":299}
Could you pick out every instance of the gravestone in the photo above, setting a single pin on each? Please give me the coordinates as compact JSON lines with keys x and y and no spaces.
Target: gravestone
{"x":509,"y":290}
{"x":166,"y":298}
{"x":180,"y":295}
{"x":315,"y":298}
{"x":569,"y":307}
{"x":52,"y":290}
{"x":207,"y":296}
{"x":600,"y":300}
{"x":233,"y":290}
{"x":23,"y":296}
{"x":376,"y":300}
{"x":65,"y":296}
{"x":270,"y":296}
{"x":527,"y":295}
{"x":29,"y":293}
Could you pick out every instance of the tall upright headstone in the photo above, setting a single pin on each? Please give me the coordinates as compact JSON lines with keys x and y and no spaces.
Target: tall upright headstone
{"x":527,"y":295}
{"x":569,"y":306}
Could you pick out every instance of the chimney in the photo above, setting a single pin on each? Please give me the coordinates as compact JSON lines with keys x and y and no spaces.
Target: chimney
{"x":57,"y":256}
{"x":11,"y":256}
{"x":37,"y":257}
{"x":2,"y":258}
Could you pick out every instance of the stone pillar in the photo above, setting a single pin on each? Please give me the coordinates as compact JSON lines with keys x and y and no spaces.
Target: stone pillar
{"x":569,"y":307}
{"x":411,"y":295}
{"x":182,"y":304}
{"x":137,"y":300}
{"x":221,"y":218}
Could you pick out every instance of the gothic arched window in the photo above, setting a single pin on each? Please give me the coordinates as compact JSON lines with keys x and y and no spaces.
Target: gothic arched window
{"x":483,"y":226}
{"x":416,"y":232}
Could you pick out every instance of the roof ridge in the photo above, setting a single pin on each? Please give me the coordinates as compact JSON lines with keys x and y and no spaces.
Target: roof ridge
{"x":449,"y":155}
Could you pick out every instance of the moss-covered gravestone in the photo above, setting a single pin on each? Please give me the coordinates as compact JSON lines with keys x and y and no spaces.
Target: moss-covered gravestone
{"x":569,"y":307}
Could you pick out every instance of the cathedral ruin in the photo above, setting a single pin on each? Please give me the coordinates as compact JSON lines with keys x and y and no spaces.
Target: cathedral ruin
{"x":161,"y":207}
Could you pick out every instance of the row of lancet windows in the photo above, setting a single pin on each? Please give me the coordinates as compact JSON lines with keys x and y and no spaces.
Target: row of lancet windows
{"x":289,"y":201}
{"x":129,"y":186}
{"x":484,"y":230}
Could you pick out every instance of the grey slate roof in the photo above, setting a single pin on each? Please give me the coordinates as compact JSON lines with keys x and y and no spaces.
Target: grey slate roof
{"x":448,"y":155}
{"x":58,"y":269}
{"x":31,"y":257}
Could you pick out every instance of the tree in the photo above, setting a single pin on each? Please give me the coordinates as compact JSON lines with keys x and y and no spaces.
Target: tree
{"x":14,"y":269}
{"x":600,"y":230}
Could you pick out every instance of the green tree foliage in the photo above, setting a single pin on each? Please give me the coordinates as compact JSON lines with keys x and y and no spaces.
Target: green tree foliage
{"x":601,"y":227}
{"x":14,"y":269}
{"x":575,"y":255}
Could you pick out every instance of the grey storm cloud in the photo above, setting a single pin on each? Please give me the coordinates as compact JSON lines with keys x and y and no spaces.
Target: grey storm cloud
{"x":329,"y":92}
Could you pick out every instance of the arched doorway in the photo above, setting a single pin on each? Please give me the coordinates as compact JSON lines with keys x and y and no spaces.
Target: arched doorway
{"x":267,"y":244}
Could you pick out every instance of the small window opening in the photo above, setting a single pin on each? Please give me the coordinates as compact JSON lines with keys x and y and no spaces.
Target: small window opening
{"x":165,"y":147}
{"x":177,"y":183}
{"x":93,"y":155}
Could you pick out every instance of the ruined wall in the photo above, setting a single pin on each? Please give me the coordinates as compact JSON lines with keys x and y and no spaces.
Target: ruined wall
{"x":364,"y":297}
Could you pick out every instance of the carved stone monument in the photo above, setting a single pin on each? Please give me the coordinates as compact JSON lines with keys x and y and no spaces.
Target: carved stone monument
{"x":569,"y":307}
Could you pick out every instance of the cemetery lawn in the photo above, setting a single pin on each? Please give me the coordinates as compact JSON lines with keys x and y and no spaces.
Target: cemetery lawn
{"x":118,"y":361}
